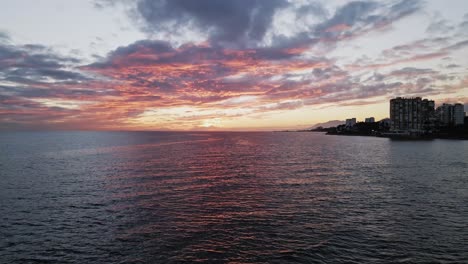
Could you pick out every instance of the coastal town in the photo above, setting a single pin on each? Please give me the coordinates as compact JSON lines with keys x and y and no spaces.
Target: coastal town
{"x":410,"y":118}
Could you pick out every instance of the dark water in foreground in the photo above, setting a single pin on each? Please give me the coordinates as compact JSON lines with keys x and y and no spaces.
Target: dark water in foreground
{"x":138,"y":197}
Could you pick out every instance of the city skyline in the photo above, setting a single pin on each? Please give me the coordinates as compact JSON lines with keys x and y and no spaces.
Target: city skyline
{"x":442,"y":112}
{"x":230,"y":65}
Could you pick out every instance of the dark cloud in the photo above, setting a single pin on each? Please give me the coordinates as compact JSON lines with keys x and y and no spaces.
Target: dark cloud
{"x":349,"y":21}
{"x":313,"y":8}
{"x":12,"y":102}
{"x":60,"y":75}
{"x":40,"y":89}
{"x":33,"y":64}
{"x":321,"y":74}
{"x":244,"y":23}
{"x":150,"y":46}
{"x":458,"y":45}
{"x":424,"y":45}
{"x":149,"y":52}
{"x":464,"y":25}
{"x":21,"y":113}
{"x":405,"y":7}
{"x":410,"y":71}
{"x":32,"y":56}
{"x":200,"y":74}
{"x":377,"y":77}
{"x":31,"y":92}
{"x":35,"y":76}
{"x":351,"y":14}
{"x":360,"y":16}
{"x":145,"y":98}
{"x":408,"y":59}
{"x":354,"y":91}
{"x":210,"y":74}
{"x":421,"y":82}
{"x":441,"y":26}
{"x":227,"y":20}
{"x":237,"y":66}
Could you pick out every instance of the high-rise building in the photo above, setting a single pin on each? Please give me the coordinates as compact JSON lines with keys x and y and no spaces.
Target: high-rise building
{"x":458,"y":114}
{"x":410,"y":114}
{"x":369,"y":120}
{"x":451,"y":115}
{"x":445,"y":114}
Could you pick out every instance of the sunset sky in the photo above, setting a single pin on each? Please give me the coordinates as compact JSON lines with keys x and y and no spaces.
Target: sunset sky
{"x":224,"y":65}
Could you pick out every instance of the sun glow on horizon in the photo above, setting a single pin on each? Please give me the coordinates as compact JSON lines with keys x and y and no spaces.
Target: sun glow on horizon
{"x":265,"y":71}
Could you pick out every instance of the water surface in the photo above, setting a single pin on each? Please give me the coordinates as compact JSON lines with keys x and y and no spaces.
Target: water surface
{"x":156,"y":197}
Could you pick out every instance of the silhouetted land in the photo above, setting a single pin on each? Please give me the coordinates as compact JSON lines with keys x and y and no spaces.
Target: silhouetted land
{"x":377,"y":129}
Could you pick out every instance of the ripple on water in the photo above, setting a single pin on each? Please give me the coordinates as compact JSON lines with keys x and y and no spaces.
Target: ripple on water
{"x":134,"y":197}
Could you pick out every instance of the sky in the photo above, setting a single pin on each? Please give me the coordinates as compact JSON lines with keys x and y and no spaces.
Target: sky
{"x":224,"y":65}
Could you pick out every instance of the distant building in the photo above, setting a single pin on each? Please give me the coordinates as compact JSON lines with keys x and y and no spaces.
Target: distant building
{"x":458,"y":114}
{"x":369,"y":120}
{"x":451,"y":115}
{"x":411,"y":114}
{"x":350,"y":122}
{"x":445,"y":114}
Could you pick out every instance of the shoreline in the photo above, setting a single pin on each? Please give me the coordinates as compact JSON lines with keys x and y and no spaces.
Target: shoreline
{"x":426,"y":137}
{"x":409,"y":138}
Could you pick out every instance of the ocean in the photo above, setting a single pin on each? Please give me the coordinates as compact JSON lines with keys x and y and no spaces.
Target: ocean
{"x":222,"y":197}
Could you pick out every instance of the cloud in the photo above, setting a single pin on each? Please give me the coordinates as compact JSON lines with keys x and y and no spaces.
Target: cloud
{"x":411,"y":71}
{"x":349,"y":21}
{"x":4,"y":37}
{"x":253,"y":23}
{"x":441,"y":26}
{"x":39,"y":87}
{"x":226,"y":21}
{"x":149,"y":52}
{"x":35,"y":63}
{"x":287,"y":105}
{"x":350,"y":15}
{"x":416,"y":51}
{"x":358,"y":17}
{"x":451,"y":66}
{"x":456,"y":46}
{"x":405,"y":7}
{"x":271,"y":78}
{"x":311,"y":9}
{"x":208,"y":70}
{"x":236,"y":59}
{"x":409,"y":59}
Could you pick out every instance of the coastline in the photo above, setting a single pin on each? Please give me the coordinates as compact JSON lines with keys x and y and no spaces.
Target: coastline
{"x":379,"y":134}
{"x":403,"y":137}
